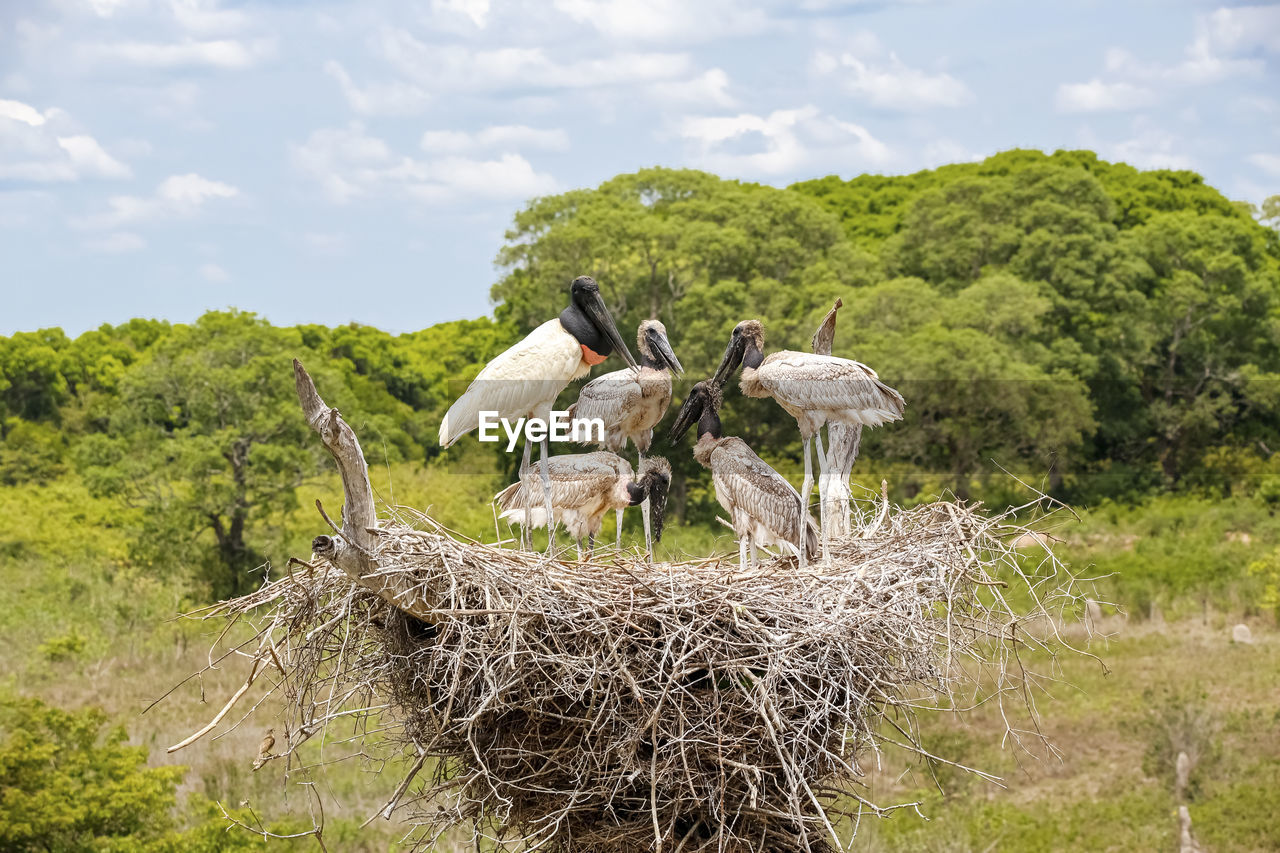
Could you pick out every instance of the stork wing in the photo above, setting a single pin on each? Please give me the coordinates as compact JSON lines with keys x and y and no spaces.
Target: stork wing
{"x":750,"y":485}
{"x":521,"y":381}
{"x":809,"y":382}
{"x":608,"y":397}
{"x":577,"y":479}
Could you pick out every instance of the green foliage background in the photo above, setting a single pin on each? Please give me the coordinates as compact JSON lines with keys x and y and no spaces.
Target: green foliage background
{"x":1109,"y":334}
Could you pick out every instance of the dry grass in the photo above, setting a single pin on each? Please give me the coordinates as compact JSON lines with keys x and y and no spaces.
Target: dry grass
{"x":613,"y":706}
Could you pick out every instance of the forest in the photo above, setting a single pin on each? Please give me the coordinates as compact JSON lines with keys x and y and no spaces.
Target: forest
{"x":1107,"y":335}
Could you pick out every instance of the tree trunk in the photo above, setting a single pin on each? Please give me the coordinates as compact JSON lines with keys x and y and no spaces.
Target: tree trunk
{"x":353,"y":550}
{"x":843,"y":441}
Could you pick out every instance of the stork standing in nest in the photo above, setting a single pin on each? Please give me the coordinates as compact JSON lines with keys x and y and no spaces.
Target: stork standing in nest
{"x":632,"y":403}
{"x":524,"y":381}
{"x":584,"y":486}
{"x":764,"y":509}
{"x":814,"y":389}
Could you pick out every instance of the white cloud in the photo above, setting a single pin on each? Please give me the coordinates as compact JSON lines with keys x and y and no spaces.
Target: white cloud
{"x":46,"y":147}
{"x":785,"y":141}
{"x":1201,"y":66}
{"x":18,"y":111}
{"x":710,"y":87}
{"x":325,"y":244}
{"x":1240,"y":30}
{"x":1226,"y":45}
{"x":477,"y":11}
{"x":215,"y":53}
{"x":1098,"y":96}
{"x":664,"y":20}
{"x":456,"y":68}
{"x":117,"y":243}
{"x":1269,"y":163}
{"x":176,"y":196}
{"x":88,"y":158}
{"x":214,"y":273}
{"x":381,"y":99}
{"x":205,"y":16}
{"x":1148,"y":148}
{"x":940,"y":152}
{"x":509,"y":137}
{"x":879,"y":77}
{"x":348,"y":163}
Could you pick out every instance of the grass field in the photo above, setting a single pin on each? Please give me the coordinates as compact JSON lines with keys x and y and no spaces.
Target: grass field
{"x":82,"y":626}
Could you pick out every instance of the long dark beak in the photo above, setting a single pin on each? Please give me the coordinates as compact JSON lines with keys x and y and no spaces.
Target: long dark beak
{"x":689,"y":414}
{"x":658,"y":487}
{"x":603,"y":321}
{"x":731,"y":360}
{"x":662,"y":348}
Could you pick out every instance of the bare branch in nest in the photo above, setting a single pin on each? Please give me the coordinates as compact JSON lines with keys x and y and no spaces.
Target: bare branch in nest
{"x":351,"y":550}
{"x":595,"y":707}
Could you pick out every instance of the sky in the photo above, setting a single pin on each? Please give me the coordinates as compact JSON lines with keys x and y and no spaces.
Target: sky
{"x":332,"y":162}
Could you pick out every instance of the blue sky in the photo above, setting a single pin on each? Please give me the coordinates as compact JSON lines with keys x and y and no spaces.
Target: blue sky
{"x":328,"y":162}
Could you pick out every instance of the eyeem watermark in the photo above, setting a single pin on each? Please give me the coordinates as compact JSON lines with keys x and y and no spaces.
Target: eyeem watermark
{"x":560,"y":428}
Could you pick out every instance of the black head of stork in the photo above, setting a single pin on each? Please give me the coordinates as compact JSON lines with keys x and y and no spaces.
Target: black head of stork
{"x":588,"y":319}
{"x":653,"y":483}
{"x":655,"y":348}
{"x":701,"y":407}
{"x":746,"y":347}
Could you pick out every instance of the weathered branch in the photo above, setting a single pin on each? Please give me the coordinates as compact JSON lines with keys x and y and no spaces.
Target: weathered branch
{"x":352,"y":550}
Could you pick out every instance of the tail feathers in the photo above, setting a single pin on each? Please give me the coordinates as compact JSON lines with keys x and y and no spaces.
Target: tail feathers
{"x":463,"y":416}
{"x":813,"y":535}
{"x":511,"y":504}
{"x":505,"y":499}
{"x":537,"y":516}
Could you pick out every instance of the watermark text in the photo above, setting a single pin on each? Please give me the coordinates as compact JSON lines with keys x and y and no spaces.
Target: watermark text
{"x":559,"y":428}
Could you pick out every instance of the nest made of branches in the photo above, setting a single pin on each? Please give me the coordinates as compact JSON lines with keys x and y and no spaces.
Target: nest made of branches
{"x":619,"y":705}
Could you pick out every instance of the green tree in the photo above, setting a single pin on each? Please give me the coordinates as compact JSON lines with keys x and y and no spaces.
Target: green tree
{"x":206,"y":439}
{"x":1210,"y":297}
{"x":70,"y":783}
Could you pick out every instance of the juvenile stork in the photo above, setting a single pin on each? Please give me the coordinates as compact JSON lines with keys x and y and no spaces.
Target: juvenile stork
{"x":763,"y":507}
{"x":524,"y":381}
{"x":632,"y":403}
{"x":584,"y":486}
{"x":814,"y":389}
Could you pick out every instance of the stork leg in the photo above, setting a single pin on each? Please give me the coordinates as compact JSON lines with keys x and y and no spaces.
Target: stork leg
{"x":618,"y":542}
{"x":591,"y":545}
{"x":579,"y":541}
{"x":822,"y":490}
{"x":742,"y":554}
{"x":752,"y":539}
{"x":526,"y":538}
{"x":808,"y":477}
{"x":644,"y":513}
{"x":546,"y":493}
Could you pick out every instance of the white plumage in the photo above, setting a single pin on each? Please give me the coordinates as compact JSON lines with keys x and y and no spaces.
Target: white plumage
{"x":814,"y":389}
{"x":584,"y":486}
{"x":763,"y":507}
{"x":631,"y":403}
{"x":522,"y":382}
{"x":821,"y":389}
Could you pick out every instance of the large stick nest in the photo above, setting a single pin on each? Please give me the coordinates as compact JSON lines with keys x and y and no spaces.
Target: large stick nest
{"x":618,"y":706}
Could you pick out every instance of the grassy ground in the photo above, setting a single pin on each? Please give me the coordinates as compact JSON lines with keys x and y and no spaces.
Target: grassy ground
{"x":81,"y":625}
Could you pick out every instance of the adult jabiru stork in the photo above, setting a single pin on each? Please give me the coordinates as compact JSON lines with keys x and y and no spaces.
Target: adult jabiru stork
{"x":631,"y":403}
{"x":584,"y":486}
{"x":814,"y":389}
{"x":764,"y":509}
{"x":524,"y":381}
